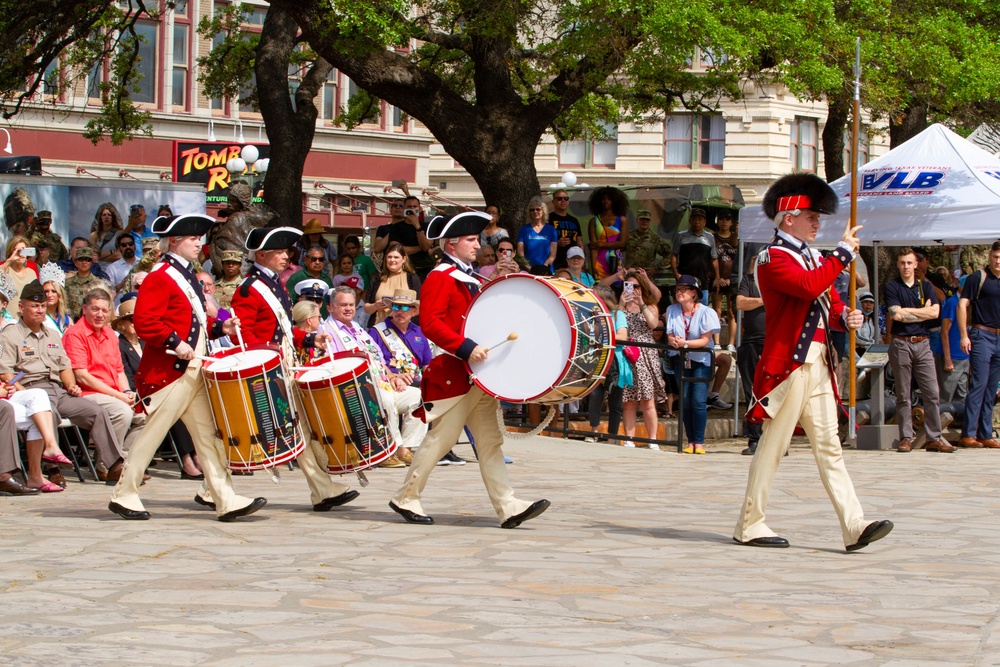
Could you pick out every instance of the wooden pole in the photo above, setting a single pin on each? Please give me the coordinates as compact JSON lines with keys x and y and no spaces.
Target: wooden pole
{"x":851,"y":223}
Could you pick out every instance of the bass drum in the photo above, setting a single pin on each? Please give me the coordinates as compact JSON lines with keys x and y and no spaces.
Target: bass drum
{"x":565,"y":339}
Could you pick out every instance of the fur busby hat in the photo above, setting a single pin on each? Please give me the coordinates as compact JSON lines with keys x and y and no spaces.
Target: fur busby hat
{"x":800,"y":191}
{"x":461,"y":224}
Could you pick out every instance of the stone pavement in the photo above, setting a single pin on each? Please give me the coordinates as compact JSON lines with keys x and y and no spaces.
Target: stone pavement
{"x":632,"y":565}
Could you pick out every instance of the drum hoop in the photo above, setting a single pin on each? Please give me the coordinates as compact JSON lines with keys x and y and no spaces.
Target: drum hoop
{"x":248,"y":371}
{"x":333,"y":379}
{"x":569,"y":313}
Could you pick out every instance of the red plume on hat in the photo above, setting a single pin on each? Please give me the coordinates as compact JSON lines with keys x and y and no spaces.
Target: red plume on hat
{"x":800,"y":191}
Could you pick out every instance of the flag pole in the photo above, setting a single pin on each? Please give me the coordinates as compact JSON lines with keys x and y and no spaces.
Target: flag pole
{"x":851,"y":223}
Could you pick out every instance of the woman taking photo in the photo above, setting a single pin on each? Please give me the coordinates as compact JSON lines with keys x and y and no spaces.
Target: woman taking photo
{"x":107,"y":223}
{"x":537,"y":240}
{"x":691,"y":326}
{"x":397,"y":273}
{"x":608,"y":230}
{"x":647,"y":383}
{"x":20,"y":270}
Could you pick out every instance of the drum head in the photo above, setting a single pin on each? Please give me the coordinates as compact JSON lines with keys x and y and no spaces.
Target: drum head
{"x":241,"y":360}
{"x":528,"y":367}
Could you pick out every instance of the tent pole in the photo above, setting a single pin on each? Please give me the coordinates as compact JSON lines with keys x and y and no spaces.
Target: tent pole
{"x":851,"y":224}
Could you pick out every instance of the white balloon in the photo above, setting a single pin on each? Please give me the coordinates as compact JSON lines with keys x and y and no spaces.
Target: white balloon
{"x":569,"y":178}
{"x":249,"y":154}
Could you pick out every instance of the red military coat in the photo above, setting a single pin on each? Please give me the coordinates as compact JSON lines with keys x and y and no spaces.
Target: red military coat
{"x":163,"y":318}
{"x":258,"y":321}
{"x":797,"y":299}
{"x":444,"y":301}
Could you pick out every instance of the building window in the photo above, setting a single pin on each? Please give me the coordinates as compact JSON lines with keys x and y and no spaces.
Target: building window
{"x":94,"y":78}
{"x":179,"y":82}
{"x":52,"y":79}
{"x":862,"y":149}
{"x":590,"y":153}
{"x":147,"y":66}
{"x":802,"y":151}
{"x":398,"y":119}
{"x":373,"y":117}
{"x":694,"y":140}
{"x":330,"y":107}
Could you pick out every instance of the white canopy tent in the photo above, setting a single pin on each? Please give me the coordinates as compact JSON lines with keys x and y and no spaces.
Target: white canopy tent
{"x":935,"y":188}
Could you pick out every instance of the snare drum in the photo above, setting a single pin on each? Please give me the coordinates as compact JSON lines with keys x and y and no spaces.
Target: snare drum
{"x":565,"y":340}
{"x":341,"y":405}
{"x":253,"y":413}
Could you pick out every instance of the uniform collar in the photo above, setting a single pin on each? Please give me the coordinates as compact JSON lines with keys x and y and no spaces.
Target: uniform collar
{"x":454,"y":261}
{"x":180,"y":261}
{"x":264,"y":271}
{"x":790,"y":240}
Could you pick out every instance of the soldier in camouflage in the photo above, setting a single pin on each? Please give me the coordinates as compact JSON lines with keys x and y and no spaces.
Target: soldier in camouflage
{"x":78,"y":285}
{"x":232,"y":263}
{"x":644,"y":245}
{"x":43,"y":232}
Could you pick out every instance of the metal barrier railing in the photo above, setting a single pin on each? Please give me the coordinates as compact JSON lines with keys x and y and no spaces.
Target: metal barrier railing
{"x":565,"y":430}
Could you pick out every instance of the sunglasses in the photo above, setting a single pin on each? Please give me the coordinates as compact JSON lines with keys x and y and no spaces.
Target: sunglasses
{"x":397,"y":306}
{"x":126,"y":244}
{"x":84,"y":259}
{"x":315,"y":259}
{"x":137,"y":207}
{"x":535,"y":210}
{"x":561,"y":198}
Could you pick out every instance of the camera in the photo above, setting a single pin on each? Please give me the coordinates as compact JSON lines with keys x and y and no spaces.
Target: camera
{"x":411,"y":211}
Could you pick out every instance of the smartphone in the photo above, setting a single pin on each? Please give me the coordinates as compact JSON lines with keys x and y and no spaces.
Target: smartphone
{"x":15,"y":379}
{"x":411,"y":211}
{"x":628,"y":290}
{"x":27,"y":252}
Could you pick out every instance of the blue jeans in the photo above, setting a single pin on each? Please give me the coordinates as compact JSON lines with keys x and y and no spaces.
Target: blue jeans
{"x":695,"y":397}
{"x":984,"y":374}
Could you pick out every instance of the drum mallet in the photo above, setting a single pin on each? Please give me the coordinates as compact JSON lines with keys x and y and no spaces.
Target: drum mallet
{"x":239,"y":337}
{"x":197,"y":356}
{"x":512,"y":336}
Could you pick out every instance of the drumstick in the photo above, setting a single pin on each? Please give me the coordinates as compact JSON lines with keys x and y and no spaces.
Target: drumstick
{"x":239,"y":337}
{"x":197,"y":356}
{"x":512,"y":336}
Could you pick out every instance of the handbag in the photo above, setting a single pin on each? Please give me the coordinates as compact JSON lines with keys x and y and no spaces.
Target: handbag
{"x":631,"y":353}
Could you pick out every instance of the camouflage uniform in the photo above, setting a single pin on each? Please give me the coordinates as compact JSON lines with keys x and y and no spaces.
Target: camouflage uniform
{"x":641,"y":249}
{"x":57,"y":249}
{"x":77,"y":288}
{"x":974,"y":257}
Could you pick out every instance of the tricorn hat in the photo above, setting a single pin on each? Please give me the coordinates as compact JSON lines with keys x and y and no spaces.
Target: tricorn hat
{"x":799,"y":191}
{"x":465,"y":223}
{"x":272,"y":238}
{"x":187,"y":224}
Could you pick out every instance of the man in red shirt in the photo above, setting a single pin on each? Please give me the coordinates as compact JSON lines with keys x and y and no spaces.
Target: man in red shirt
{"x":92,"y":348}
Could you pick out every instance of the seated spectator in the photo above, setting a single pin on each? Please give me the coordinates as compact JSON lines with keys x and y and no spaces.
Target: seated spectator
{"x":119,"y":269}
{"x":311,"y":290}
{"x":345,"y":269}
{"x":690,"y":325}
{"x":575,"y":260}
{"x":397,"y":273}
{"x":55,"y":304}
{"x":83,"y":281}
{"x":312,"y":236}
{"x":305,"y":316}
{"x":33,"y":413}
{"x":486,"y":260}
{"x":10,"y":454}
{"x":506,"y":262}
{"x":19,"y":266}
{"x":130,"y":349}
{"x":29,"y":347}
{"x":868,"y":334}
{"x":150,"y":256}
{"x":94,"y":354}
{"x":7,"y":292}
{"x":314,"y":269}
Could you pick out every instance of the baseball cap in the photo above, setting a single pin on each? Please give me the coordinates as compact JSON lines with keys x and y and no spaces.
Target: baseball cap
{"x":575,"y":251}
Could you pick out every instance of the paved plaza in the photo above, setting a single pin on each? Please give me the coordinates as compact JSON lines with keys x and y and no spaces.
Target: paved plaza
{"x":633,"y":565}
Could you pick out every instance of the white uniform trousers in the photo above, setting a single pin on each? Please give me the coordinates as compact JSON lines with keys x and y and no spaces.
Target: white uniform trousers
{"x":185,"y":399}
{"x":478,"y":411}
{"x":809,"y":401}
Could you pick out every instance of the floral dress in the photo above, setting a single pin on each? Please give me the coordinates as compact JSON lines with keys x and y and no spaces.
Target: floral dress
{"x":647,"y":380}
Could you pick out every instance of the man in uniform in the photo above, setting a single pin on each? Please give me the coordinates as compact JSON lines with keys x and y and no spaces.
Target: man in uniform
{"x":262,"y":303}
{"x":78,"y":285}
{"x":225,"y":287}
{"x":644,"y":245}
{"x":794,"y":382}
{"x":170,"y":317}
{"x":43,"y":232}
{"x":451,"y":400}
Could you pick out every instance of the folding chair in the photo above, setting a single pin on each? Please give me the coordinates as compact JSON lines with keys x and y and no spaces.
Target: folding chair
{"x":68,"y":428}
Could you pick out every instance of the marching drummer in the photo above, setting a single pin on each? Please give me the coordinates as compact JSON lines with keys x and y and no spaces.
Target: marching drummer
{"x":263,"y":303}
{"x":451,"y":400}
{"x":170,"y":317}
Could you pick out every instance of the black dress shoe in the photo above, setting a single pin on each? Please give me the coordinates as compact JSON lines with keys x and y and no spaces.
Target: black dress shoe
{"x":411,"y":517}
{"x":329,"y":503}
{"x":12,"y":487}
{"x":126,"y":513}
{"x":876,"y":530}
{"x":773,"y":542}
{"x":187,"y":475}
{"x":747,"y":452}
{"x":533,"y":510}
{"x":204,"y":503}
{"x":243,"y":511}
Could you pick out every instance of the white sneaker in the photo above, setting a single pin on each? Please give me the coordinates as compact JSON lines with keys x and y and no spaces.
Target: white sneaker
{"x":590,"y":438}
{"x":731,"y":349}
{"x":628,"y":443}
{"x":654,"y":447}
